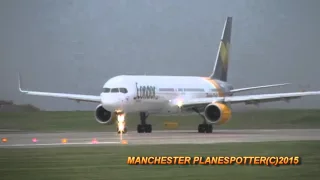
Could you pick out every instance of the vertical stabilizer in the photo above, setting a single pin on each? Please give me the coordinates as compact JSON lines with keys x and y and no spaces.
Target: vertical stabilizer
{"x":220,"y":69}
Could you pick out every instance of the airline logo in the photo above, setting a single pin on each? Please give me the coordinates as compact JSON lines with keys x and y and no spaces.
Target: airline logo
{"x":224,"y":55}
{"x":146,"y":92}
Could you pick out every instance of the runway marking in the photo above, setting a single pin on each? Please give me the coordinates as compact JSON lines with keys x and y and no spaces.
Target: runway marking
{"x":160,"y":137}
{"x":55,"y":144}
{"x":57,"y":168}
{"x":142,"y":136}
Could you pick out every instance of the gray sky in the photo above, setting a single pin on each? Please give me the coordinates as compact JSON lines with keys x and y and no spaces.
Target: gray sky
{"x":74,"y":46}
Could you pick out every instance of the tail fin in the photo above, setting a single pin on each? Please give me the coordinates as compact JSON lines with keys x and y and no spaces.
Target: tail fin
{"x":220,"y":69}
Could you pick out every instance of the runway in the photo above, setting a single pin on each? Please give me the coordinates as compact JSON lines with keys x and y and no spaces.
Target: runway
{"x":14,"y":139}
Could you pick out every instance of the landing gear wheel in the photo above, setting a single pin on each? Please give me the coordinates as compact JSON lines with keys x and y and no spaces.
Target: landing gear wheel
{"x":125,"y":130}
{"x":201,"y":128}
{"x":209,"y":128}
{"x":144,"y":128}
{"x":140,"y":128}
{"x":148,"y":128}
{"x":205,"y":128}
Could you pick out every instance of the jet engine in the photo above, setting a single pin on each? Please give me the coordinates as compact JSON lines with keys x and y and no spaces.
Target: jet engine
{"x":104,"y":116}
{"x":217,"y":113}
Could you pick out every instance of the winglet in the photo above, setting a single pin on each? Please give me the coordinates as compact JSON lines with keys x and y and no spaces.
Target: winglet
{"x":19,"y":80}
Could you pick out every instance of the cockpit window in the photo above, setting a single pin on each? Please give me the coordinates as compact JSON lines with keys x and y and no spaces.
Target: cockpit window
{"x":123,"y":90}
{"x":115,"y":90}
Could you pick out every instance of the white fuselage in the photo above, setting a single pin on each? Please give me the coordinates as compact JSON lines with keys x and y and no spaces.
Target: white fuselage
{"x":157,"y":94}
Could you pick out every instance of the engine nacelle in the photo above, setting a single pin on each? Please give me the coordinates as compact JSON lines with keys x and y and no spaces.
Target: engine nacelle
{"x":217,"y":113}
{"x":104,"y":116}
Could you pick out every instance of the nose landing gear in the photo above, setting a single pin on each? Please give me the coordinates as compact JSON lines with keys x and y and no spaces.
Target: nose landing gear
{"x":121,"y":124}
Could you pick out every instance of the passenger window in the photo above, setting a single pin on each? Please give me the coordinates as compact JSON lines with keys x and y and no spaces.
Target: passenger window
{"x":114,"y":90}
{"x":106,"y":90}
{"x":123,"y":90}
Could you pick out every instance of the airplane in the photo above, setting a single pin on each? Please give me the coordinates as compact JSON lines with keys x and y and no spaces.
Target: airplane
{"x":211,"y":97}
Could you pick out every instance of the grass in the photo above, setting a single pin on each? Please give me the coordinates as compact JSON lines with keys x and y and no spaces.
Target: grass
{"x":84,"y":121}
{"x":109,"y":162}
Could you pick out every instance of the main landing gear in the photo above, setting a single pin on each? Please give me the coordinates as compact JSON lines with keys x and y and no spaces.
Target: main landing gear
{"x":144,"y":127}
{"x":204,"y":127}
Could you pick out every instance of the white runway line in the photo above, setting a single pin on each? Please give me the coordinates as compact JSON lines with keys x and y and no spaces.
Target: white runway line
{"x":159,"y":137}
{"x":57,"y":144}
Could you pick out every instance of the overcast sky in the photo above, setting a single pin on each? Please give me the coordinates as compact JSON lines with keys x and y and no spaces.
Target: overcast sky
{"x":74,"y":46}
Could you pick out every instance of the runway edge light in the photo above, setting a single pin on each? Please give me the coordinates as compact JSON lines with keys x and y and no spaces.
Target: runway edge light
{"x":94,"y":141}
{"x":64,"y":140}
{"x":124,"y":142}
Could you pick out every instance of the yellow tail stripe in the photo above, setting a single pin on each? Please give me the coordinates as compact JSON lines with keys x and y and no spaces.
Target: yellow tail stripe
{"x":224,"y":51}
{"x":216,"y":85}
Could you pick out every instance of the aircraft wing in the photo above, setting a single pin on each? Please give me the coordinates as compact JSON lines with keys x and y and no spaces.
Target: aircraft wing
{"x":247,"y":99}
{"x":76,"y":97}
{"x":257,"y":87}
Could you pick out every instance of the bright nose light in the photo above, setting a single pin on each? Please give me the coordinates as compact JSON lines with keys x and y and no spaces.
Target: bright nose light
{"x":121,"y":118}
{"x":121,"y":123}
{"x":179,"y":103}
{"x":34,"y":140}
{"x":121,"y":127}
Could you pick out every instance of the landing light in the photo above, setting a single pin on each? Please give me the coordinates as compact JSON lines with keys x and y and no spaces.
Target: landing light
{"x":179,"y":103}
{"x":121,"y":127}
{"x":4,"y":140}
{"x":121,"y":124}
{"x":118,"y":110}
{"x":121,"y":118}
{"x":34,"y":140}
